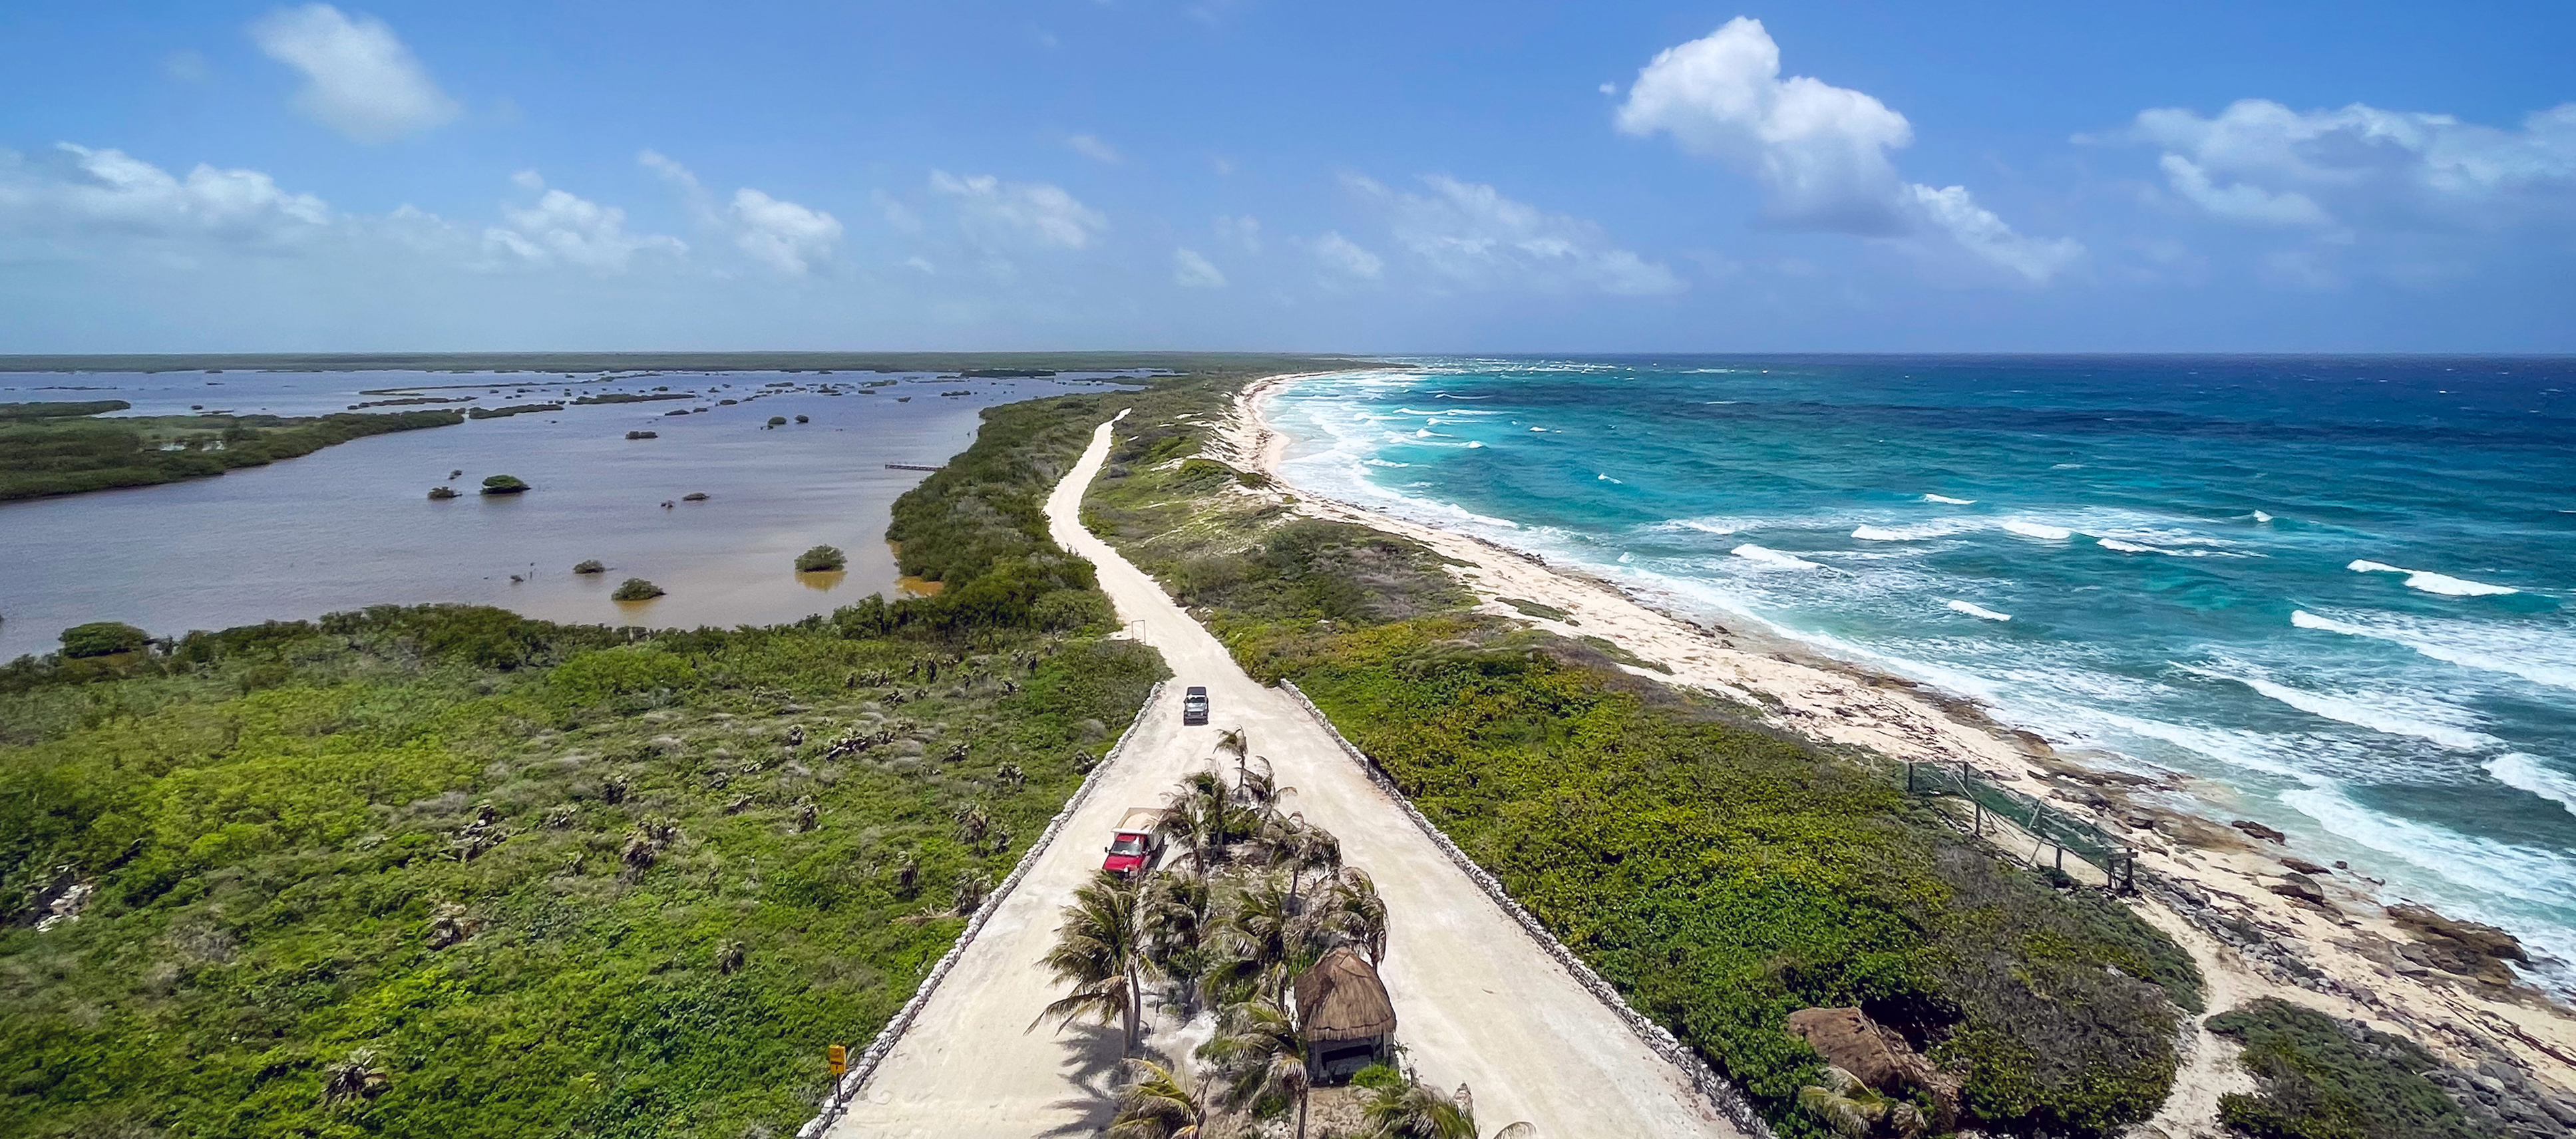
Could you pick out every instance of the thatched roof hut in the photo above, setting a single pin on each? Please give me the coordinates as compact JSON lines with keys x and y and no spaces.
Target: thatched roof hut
{"x":1343,"y":1008}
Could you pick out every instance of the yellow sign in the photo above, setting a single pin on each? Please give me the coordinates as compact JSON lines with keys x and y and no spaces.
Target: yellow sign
{"x":840,"y":1059}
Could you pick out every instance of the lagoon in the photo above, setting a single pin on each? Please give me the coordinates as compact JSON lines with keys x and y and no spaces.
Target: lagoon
{"x":352,"y":525}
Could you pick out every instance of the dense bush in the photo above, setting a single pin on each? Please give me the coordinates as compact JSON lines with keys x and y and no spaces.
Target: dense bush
{"x":2319,"y":1078}
{"x":510,"y":884}
{"x":635,"y":589}
{"x":504,"y":484}
{"x":102,"y":638}
{"x":821,"y":558}
{"x":56,"y":455}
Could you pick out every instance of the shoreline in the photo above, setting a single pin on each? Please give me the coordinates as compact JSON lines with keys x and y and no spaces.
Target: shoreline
{"x":2205,"y":882}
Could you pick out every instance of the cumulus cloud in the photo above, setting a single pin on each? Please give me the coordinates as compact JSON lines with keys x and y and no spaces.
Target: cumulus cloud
{"x":1819,"y":152}
{"x":74,"y":191}
{"x":1090,"y":146}
{"x":359,"y":79}
{"x":1241,"y":232}
{"x":1344,"y":256}
{"x":568,"y":230}
{"x":1020,"y":213}
{"x":1191,"y":271}
{"x":777,"y":233}
{"x":2260,"y":163}
{"x":1475,"y":237}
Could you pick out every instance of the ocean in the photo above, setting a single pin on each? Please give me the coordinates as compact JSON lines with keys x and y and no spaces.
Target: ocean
{"x":2333,"y":590}
{"x":351,"y":525}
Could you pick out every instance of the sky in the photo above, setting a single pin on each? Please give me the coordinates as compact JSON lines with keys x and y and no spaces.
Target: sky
{"x":1487,"y":177}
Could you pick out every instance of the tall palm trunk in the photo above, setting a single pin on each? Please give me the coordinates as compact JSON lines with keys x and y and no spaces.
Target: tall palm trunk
{"x":1134,"y":1010}
{"x":1301,"y":1113}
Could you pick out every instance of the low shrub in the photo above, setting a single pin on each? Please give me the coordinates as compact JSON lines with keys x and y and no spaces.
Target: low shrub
{"x":594,"y":565}
{"x":504,"y":484}
{"x":635,"y":589}
{"x":821,"y":558}
{"x":2319,"y":1078}
{"x":102,"y":638}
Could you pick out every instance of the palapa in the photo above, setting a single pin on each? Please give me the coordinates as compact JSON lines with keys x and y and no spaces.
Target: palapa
{"x":1342,"y":999}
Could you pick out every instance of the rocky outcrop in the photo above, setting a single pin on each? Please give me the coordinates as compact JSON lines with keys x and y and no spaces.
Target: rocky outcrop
{"x":2466,"y":948}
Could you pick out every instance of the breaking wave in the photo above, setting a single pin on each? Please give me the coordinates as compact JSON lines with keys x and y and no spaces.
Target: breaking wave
{"x":2431,"y":582}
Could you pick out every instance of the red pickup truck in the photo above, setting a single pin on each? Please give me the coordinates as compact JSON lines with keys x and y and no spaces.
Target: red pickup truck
{"x":1137,"y":845}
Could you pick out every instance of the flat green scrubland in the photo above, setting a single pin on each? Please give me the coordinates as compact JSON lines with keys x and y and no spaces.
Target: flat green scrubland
{"x":1721,"y":874}
{"x":50,"y":449}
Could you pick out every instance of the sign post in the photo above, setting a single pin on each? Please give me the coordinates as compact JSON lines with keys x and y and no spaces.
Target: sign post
{"x":840,"y":1060}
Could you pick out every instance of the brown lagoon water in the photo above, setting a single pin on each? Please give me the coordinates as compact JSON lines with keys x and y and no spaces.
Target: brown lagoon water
{"x":351,"y":525}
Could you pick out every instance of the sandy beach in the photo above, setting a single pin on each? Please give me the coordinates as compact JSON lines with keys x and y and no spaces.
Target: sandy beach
{"x":2323,"y":938}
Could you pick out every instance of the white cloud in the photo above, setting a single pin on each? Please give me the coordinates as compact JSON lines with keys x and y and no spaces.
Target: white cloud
{"x":1242,"y":232}
{"x":1345,"y":256}
{"x":1819,"y":152}
{"x":1191,"y":271}
{"x":563,"y":229}
{"x":1090,"y":146}
{"x":779,"y":234}
{"x":896,"y":214}
{"x":1477,"y":238}
{"x":783,"y":235}
{"x":1026,"y":213}
{"x":2261,"y":163}
{"x":74,"y":190}
{"x":358,"y":78}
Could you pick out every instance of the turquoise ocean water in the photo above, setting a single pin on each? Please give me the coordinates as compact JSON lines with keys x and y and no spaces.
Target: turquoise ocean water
{"x":2336,"y":590}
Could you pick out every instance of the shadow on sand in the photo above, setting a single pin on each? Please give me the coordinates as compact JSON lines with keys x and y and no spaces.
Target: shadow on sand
{"x":1093,"y":1061}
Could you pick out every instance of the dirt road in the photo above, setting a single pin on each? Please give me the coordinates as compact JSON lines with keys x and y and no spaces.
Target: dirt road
{"x":1476,"y":1000}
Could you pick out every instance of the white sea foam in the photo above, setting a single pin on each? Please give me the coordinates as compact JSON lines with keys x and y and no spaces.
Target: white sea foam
{"x":2380,"y":712}
{"x":1384,"y":463}
{"x":2038,"y":530}
{"x":1914,"y":533}
{"x":2525,"y":773}
{"x":2431,"y":582}
{"x":1598,"y":476}
{"x":1772,"y":558}
{"x":2544,"y":877}
{"x":2449,"y":645}
{"x":2137,"y":548}
{"x":1950,"y":500}
{"x":1975,"y":610}
{"x":2259,"y":516}
{"x":2067,"y":467}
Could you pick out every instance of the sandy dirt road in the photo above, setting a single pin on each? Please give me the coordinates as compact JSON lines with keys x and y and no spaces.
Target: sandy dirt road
{"x":1477,"y":1002}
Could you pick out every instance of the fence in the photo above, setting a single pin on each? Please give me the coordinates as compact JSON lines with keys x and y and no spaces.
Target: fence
{"x":1999,"y":814}
{"x":847,"y":1087}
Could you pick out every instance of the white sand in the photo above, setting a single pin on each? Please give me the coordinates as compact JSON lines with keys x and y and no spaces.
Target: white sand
{"x":1844,"y":703}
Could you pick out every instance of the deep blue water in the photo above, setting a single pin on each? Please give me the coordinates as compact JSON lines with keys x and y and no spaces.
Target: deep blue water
{"x":2336,"y":589}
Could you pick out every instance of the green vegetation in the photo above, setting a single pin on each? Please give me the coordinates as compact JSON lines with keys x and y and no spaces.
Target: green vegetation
{"x":62,"y":410}
{"x":48,"y":452}
{"x":2317,"y":1078}
{"x":504,"y":484}
{"x":1722,"y":874}
{"x":513,"y":409}
{"x":635,"y":589}
{"x":443,"y":493}
{"x":821,"y":558}
{"x":631,"y":397}
{"x":446,"y":871}
{"x":777,"y":421}
{"x":102,"y":638}
{"x":592,"y":565}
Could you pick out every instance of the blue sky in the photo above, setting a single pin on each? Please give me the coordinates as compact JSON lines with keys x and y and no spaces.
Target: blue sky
{"x":1487,"y":177}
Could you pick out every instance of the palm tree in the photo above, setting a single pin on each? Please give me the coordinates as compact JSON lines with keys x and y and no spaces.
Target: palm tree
{"x":1414,"y":1111}
{"x":1098,"y":949}
{"x":1260,"y":1050}
{"x":1355,"y":915}
{"x":1176,"y":913}
{"x":1269,"y":941}
{"x":1234,"y":741}
{"x":1258,"y":787}
{"x":1855,"y":1109}
{"x":1196,"y":813}
{"x":1309,"y":848}
{"x":1156,"y":1106}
